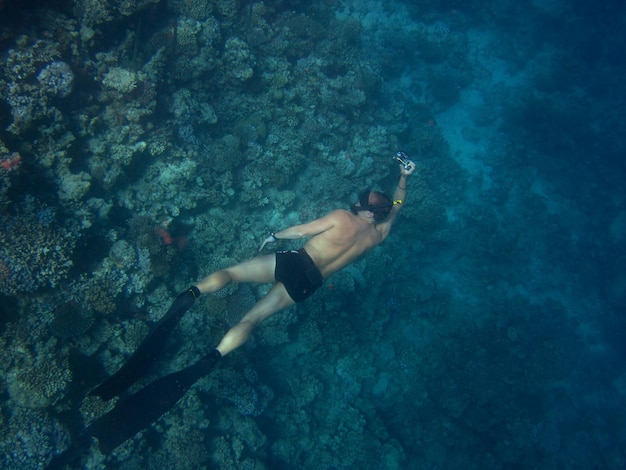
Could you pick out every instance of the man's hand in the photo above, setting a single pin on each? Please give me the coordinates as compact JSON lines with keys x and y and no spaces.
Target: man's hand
{"x":270,"y":239}
{"x":406,"y":172}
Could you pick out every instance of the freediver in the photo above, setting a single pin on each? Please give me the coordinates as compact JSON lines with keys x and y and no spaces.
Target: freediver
{"x":334,"y":241}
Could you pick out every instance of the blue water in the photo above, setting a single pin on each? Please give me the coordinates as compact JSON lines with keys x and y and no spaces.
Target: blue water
{"x":144,"y":145}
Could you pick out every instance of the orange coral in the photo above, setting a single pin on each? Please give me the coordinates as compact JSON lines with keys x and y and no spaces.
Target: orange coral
{"x":11,"y":162}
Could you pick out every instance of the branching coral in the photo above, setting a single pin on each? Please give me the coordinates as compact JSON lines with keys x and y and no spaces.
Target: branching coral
{"x":30,"y":439}
{"x":34,"y":251}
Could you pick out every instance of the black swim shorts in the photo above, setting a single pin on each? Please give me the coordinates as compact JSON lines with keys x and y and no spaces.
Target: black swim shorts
{"x":297,"y":271}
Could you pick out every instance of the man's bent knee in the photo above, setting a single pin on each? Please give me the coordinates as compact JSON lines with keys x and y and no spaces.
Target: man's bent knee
{"x":215,"y":281}
{"x":236,"y":336}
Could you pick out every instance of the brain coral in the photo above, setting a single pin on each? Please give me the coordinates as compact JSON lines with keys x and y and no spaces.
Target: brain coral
{"x":71,"y":320}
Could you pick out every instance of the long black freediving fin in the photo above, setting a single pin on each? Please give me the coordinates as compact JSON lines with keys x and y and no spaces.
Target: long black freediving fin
{"x":149,"y":350}
{"x":136,"y":412}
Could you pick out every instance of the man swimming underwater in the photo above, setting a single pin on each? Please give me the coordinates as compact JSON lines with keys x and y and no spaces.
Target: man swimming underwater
{"x":334,"y":241}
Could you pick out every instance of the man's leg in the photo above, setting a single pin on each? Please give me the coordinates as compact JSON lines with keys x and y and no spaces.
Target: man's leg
{"x":135,"y":412}
{"x":259,"y":269}
{"x":276,"y":299}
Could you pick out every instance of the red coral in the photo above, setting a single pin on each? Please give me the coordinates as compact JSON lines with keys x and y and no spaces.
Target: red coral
{"x":12,"y":161}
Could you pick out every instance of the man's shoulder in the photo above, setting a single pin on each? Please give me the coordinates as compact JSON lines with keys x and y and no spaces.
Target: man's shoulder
{"x":340,"y":214}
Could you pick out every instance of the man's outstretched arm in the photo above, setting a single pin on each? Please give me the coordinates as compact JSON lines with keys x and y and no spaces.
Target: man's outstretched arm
{"x":398,"y":195}
{"x":297,"y":232}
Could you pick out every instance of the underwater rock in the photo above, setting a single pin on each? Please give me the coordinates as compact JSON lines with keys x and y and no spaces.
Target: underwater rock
{"x":239,"y":59}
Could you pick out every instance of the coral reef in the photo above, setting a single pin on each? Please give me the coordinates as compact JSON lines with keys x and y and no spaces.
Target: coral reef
{"x":37,"y":382}
{"x":30,"y":439}
{"x":35,"y":251}
{"x":71,"y":320}
{"x":238,"y":304}
{"x":146,"y":143}
{"x":56,"y":79}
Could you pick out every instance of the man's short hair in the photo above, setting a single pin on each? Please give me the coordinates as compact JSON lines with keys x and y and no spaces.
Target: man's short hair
{"x":374,"y":201}
{"x":380,"y":205}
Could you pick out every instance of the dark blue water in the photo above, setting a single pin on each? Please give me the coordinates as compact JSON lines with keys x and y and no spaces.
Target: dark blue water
{"x":145,"y":145}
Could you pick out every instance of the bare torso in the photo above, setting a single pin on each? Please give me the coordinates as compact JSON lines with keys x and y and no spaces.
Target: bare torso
{"x":347,"y":239}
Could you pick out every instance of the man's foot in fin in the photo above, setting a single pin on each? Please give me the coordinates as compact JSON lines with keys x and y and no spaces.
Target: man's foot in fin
{"x":149,"y":350}
{"x":136,"y":412}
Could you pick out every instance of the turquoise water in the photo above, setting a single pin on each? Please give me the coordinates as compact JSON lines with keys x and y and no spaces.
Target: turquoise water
{"x":146,"y":144}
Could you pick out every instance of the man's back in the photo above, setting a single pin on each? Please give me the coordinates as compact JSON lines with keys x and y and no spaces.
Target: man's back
{"x":346,"y":238}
